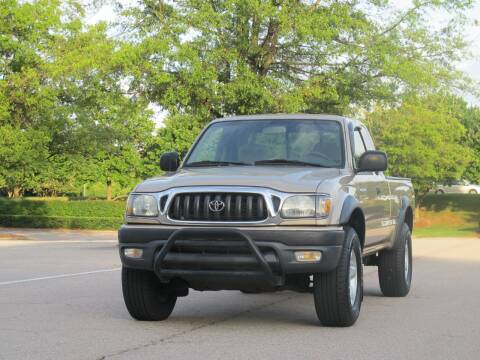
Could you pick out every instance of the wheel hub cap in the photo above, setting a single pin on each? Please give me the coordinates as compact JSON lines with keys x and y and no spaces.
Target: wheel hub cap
{"x":353,"y":278}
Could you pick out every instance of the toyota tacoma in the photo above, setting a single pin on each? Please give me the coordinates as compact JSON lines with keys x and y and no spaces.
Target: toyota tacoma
{"x":265,"y":203}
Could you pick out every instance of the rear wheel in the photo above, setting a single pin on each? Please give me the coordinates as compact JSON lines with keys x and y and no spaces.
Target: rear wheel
{"x":145,"y":296}
{"x":439,"y":192}
{"x":473,"y":192}
{"x":395,"y":266}
{"x":338,"y":294}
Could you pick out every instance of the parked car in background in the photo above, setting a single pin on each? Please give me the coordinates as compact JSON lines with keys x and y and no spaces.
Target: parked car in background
{"x":458,"y":187}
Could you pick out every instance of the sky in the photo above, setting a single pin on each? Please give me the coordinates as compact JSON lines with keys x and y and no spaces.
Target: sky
{"x":471,"y":65}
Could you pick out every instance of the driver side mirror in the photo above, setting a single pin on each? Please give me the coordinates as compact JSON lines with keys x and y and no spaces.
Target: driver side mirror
{"x":372,"y":160}
{"x":170,"y":161}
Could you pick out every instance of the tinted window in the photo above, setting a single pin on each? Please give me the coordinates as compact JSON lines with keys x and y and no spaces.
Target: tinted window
{"x":248,"y":141}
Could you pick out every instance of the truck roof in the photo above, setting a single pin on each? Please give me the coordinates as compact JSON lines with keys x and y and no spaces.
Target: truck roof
{"x":282,"y":116}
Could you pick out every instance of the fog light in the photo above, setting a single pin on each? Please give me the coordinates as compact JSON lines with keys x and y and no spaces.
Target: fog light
{"x":308,"y":256}
{"x":134,"y":253}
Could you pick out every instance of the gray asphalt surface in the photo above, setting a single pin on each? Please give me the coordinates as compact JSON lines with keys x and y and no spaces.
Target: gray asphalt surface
{"x":60,"y":298}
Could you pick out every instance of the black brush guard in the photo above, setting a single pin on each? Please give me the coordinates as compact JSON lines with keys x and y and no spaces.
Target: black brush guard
{"x":214,"y":259}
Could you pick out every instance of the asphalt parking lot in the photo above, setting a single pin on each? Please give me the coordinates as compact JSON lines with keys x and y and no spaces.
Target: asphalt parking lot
{"x":60,"y":298}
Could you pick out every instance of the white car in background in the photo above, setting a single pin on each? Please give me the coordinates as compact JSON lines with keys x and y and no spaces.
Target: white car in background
{"x":458,"y":187}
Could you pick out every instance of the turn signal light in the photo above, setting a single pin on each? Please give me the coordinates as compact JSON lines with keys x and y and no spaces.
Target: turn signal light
{"x":134,"y":253}
{"x":308,"y":256}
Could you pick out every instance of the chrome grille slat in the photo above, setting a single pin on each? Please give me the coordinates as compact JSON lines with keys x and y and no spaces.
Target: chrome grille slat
{"x":249,"y":206}
{"x":260,"y":207}
{"x":228,"y":206}
{"x":238,"y":206}
{"x":243,"y":207}
{"x":206,"y":211}
{"x":196,"y":206}
{"x":186,"y":205}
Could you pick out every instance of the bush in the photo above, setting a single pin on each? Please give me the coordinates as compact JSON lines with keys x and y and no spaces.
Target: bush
{"x":454,"y":202}
{"x":58,"y":213}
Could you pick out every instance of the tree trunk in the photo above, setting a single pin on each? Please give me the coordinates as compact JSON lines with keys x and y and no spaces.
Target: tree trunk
{"x":14,"y":192}
{"x":417,"y":211}
{"x":109,"y":190}
{"x":418,"y":202}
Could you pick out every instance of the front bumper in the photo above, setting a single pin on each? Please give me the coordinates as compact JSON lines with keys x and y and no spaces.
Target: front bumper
{"x":230,"y":258}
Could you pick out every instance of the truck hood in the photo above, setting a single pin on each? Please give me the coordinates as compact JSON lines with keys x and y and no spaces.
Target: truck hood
{"x":280,"y":178}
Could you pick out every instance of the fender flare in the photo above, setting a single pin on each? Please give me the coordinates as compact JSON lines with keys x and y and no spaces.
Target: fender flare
{"x":404,"y":205}
{"x":349,"y":205}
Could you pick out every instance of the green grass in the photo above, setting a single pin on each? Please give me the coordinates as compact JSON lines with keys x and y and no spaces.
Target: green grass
{"x":449,"y":215}
{"x":444,"y":231}
{"x":61,"y":213}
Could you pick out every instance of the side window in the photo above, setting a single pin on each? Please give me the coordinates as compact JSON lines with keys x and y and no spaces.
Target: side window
{"x":358,"y":145}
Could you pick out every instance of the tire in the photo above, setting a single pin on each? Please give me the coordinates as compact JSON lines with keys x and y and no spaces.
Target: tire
{"x":473,"y":192}
{"x":331,"y":291}
{"x":146,"y":298}
{"x":395,"y":266}
{"x":439,"y":192}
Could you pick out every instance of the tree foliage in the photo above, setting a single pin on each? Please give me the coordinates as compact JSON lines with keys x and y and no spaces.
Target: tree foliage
{"x":63,"y":100}
{"x":74,"y":98}
{"x":22,"y":153}
{"x":423,"y":140}
{"x":214,"y":58}
{"x":469,"y":116}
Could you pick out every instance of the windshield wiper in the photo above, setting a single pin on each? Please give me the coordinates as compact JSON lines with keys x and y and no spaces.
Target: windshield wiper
{"x":286,"y":162}
{"x":214,"y":163}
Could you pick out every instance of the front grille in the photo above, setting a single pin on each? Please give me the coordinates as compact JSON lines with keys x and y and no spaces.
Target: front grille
{"x":230,"y":207}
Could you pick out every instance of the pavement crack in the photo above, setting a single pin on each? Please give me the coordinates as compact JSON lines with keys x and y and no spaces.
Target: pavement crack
{"x":195,"y":328}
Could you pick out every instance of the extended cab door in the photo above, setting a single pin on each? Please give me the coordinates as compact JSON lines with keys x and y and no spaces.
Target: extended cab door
{"x":373,"y":193}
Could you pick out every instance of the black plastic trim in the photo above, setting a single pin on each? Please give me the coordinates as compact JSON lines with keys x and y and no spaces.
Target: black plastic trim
{"x":405,"y":203}
{"x":349,"y":205}
{"x":188,"y":233}
{"x":132,"y":233}
{"x":156,"y":249}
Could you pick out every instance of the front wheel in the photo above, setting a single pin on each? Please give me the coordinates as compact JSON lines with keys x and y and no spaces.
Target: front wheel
{"x":145,"y":296}
{"x":473,"y":192}
{"x":338,"y":294}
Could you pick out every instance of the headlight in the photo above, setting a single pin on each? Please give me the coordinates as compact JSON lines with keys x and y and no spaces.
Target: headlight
{"x":306,"y":206}
{"x":142,"y":205}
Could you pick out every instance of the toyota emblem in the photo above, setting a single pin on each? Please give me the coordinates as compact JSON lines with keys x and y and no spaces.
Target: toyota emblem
{"x":216,"y":205}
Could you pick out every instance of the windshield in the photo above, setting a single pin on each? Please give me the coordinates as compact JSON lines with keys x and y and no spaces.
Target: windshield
{"x":270,"y":142}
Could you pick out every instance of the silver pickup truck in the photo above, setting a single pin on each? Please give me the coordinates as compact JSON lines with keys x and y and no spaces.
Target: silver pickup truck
{"x":267,"y":203}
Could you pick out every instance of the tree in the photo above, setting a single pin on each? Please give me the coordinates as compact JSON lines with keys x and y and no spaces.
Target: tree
{"x":469,"y":116}
{"x":471,"y":121}
{"x":423,"y":142}
{"x":23,"y":153}
{"x":66,"y":82}
{"x":108,"y":125}
{"x":204,"y":59}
